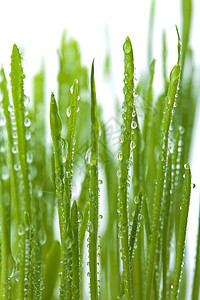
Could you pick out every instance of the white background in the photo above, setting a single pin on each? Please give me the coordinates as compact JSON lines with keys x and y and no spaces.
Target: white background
{"x":36,"y":26}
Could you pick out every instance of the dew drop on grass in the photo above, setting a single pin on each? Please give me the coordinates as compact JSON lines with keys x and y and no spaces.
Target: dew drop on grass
{"x":27,"y":122}
{"x":132,"y":145}
{"x":28,"y":135}
{"x":118,"y":173}
{"x":14,"y":135}
{"x":68,"y":111}
{"x":14,"y":149}
{"x":91,"y":227}
{"x":127,"y":46}
{"x":88,"y":156}
{"x":100,"y":217}
{"x":80,"y":217}
{"x":17,"y":167}
{"x":4,"y":173}
{"x":20,"y":230}
{"x":133,"y":125}
{"x":100,"y":181}
{"x":121,"y":139}
{"x":119,"y":156}
{"x":186,"y":166}
{"x":181,"y":129}
{"x":11,"y":266}
{"x":29,"y":157}
{"x":136,"y":200}
{"x":72,"y":89}
{"x":26,"y":101}
{"x":43,"y":237}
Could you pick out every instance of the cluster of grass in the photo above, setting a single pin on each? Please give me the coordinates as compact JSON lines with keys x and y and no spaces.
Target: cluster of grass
{"x":141,"y":251}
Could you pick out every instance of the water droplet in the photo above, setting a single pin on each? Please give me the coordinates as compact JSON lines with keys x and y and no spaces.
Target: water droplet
{"x":118,"y":173}
{"x":140,"y":217}
{"x":100,"y":217}
{"x":136,"y":200}
{"x":20,"y":229}
{"x":193,"y":185}
{"x":43,"y":237}
{"x":78,"y":98}
{"x":27,"y":122}
{"x":72,"y":89}
{"x":80,"y":217}
{"x":14,"y":149}
{"x":29,"y":157}
{"x":121,"y":139}
{"x":4,"y":173}
{"x":91,"y":227}
{"x":127,"y":46}
{"x":68,"y":111}
{"x":88,"y":156}
{"x":133,"y":125}
{"x":100,"y":181}
{"x":134,"y":114}
{"x":187,"y":166}
{"x":17,"y":167}
{"x":181,"y":129}
{"x":11,"y":266}
{"x":14,"y":135}
{"x":28,"y":135}
{"x":67,"y":174}
{"x":26,"y":101}
{"x":119,"y":156}
{"x":132,"y":145}
{"x":10,"y":108}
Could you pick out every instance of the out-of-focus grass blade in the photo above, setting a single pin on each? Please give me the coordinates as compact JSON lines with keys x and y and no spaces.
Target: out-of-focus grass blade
{"x":196,"y":278}
{"x":182,"y":232}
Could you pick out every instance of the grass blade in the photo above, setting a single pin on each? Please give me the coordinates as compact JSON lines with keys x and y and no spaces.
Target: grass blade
{"x":94,"y":190}
{"x":182,"y":232}
{"x":174,"y":82}
{"x":196,"y":278}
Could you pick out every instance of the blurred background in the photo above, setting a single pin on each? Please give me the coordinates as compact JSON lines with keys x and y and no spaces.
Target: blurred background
{"x":101,"y":27}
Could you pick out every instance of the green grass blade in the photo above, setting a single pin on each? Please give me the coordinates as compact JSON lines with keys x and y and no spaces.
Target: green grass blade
{"x":151,"y":29}
{"x":186,"y":25}
{"x":14,"y":190}
{"x":165,"y":233}
{"x":182,"y":232}
{"x":70,"y":150}
{"x":51,"y":270}
{"x":196,"y":278}
{"x":136,"y":218}
{"x":94,"y":190}
{"x":56,"y":127}
{"x":171,"y":98}
{"x":17,"y":85}
{"x":128,"y":128}
{"x":75,"y":254}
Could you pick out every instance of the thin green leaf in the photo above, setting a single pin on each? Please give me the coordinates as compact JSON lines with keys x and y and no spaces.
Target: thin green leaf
{"x":94,"y":190}
{"x":182,"y":232}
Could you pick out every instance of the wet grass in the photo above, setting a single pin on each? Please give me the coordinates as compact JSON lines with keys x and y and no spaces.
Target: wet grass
{"x":141,"y":252}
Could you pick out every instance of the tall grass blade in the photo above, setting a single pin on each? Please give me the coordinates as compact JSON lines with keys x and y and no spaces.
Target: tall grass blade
{"x":94,"y":191}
